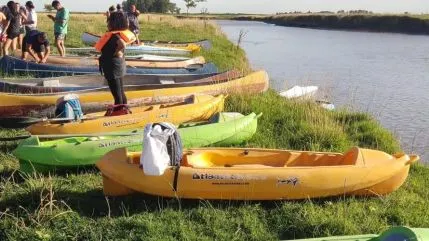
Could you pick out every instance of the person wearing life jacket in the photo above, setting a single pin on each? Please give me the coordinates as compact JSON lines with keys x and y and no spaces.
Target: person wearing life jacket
{"x":112,"y":59}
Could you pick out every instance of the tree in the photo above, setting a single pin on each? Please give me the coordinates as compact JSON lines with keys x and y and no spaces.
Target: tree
{"x":191,"y":4}
{"x":48,"y":7}
{"x":156,"y":6}
{"x":172,"y":8}
{"x":160,"y":6}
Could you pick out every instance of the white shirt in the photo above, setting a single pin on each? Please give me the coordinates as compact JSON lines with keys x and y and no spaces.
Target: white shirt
{"x":32,"y":16}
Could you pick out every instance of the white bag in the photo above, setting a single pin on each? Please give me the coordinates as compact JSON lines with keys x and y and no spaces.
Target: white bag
{"x":155,"y":159}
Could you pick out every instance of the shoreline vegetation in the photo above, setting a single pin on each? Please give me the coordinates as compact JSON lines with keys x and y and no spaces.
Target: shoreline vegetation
{"x":71,"y":206}
{"x":389,"y":23}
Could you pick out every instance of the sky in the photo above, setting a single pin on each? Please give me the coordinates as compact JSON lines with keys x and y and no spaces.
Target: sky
{"x":266,"y":6}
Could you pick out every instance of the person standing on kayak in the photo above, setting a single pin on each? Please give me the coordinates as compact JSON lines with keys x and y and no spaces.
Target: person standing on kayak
{"x":133,"y":18}
{"x":112,"y":59}
{"x":61,"y":22}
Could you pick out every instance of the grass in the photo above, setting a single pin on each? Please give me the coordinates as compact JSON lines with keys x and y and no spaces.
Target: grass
{"x":72,"y":206}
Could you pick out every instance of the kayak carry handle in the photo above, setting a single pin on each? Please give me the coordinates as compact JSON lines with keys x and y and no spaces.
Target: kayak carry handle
{"x":413,"y":159}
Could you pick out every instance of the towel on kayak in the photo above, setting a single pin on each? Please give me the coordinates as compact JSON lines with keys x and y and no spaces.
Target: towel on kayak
{"x":162,"y":148}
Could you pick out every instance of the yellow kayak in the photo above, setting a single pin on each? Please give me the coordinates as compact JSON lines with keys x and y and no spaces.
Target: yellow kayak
{"x":259,"y":174}
{"x":34,"y":104}
{"x":202,"y":108}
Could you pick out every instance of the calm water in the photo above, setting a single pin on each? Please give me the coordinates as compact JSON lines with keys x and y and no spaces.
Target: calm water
{"x":384,"y":74}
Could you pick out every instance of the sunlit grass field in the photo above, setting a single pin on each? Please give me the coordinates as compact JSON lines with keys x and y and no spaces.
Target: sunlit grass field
{"x":72,"y":206}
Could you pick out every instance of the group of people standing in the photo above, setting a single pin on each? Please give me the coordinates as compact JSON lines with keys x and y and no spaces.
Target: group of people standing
{"x":18,"y":30}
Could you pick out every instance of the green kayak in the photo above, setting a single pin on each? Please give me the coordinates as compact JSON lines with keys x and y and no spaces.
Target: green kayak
{"x":392,"y":234}
{"x":224,"y":129}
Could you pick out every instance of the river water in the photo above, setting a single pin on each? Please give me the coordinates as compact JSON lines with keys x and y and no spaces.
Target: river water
{"x":384,"y":74}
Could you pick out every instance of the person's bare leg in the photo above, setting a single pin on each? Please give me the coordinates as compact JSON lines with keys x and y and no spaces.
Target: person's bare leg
{"x":24,"y":55}
{"x":64,"y":48}
{"x":14,"y":43}
{"x":7,"y":46}
{"x":58,"y":42}
{"x":20,"y":39}
{"x":137,"y":39}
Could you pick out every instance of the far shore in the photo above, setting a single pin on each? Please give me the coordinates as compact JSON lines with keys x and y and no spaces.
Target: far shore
{"x":392,"y":23}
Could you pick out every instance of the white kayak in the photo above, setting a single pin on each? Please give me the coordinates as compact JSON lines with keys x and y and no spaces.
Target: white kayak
{"x":133,"y":50}
{"x":157,"y":58}
{"x":300,"y":92}
{"x":91,"y":39}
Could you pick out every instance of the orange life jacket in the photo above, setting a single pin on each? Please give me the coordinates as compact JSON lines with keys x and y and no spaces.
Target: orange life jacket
{"x":126,"y":35}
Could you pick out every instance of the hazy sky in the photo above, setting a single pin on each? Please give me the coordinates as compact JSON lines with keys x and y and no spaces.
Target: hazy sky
{"x":267,"y":6}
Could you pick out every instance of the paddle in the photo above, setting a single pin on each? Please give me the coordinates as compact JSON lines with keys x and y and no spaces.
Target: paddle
{"x":16,"y":138}
{"x":23,"y":122}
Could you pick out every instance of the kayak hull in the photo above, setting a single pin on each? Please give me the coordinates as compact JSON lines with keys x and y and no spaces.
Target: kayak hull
{"x":201,"y":108}
{"x":91,"y":39}
{"x":254,"y":174}
{"x":85,"y":83}
{"x":45,"y":156}
{"x":95,"y":100}
{"x":299,"y":92}
{"x":131,"y":62}
{"x":14,"y":66}
{"x":141,"y":49}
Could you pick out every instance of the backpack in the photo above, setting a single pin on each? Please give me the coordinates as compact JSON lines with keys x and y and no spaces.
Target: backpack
{"x":69,"y":107}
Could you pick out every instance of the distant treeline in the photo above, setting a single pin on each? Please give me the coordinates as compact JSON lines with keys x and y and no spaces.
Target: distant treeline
{"x":360,"y":11}
{"x":364,"y":22}
{"x":153,"y":6}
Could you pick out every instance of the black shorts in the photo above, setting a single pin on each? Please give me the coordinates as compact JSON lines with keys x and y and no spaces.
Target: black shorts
{"x":39,"y":48}
{"x":12,"y":35}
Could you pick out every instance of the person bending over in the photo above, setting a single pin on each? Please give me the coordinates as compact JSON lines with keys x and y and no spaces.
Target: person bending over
{"x":112,"y":61}
{"x":61,"y":21}
{"x":37,"y":46}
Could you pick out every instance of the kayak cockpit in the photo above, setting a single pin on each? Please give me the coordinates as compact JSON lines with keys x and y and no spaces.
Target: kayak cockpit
{"x":267,"y":159}
{"x":240,"y":158}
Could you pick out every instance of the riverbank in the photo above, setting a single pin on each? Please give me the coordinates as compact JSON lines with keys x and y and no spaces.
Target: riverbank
{"x":409,"y":24}
{"x":72,"y":206}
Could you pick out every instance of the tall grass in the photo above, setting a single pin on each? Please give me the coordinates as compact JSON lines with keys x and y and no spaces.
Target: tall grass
{"x":71,"y":206}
